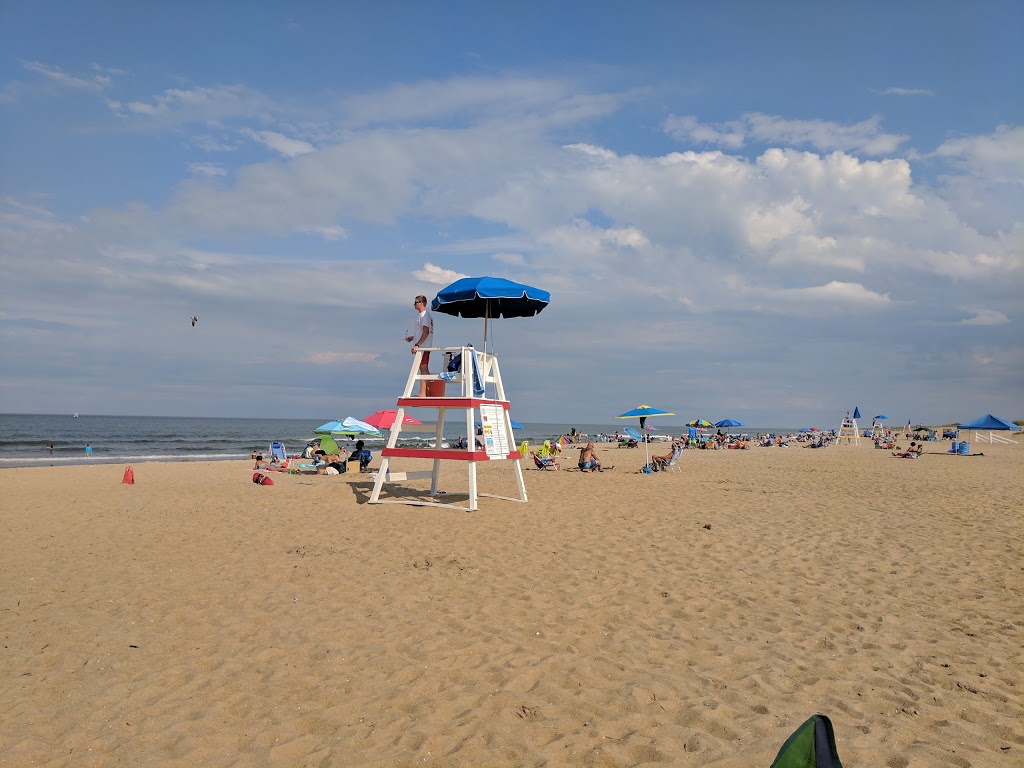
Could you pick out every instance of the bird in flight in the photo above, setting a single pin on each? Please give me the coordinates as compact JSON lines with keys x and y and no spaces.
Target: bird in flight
{"x":195,"y":320}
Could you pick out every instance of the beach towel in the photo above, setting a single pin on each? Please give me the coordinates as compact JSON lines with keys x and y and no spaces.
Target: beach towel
{"x":812,"y":745}
{"x":455,"y":366}
{"x":478,"y":379}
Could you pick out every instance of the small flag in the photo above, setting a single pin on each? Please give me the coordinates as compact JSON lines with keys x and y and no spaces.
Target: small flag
{"x":129,"y":476}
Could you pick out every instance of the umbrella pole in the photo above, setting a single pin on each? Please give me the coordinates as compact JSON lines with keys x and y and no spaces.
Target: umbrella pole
{"x":487,"y":315}
{"x":643,"y":434}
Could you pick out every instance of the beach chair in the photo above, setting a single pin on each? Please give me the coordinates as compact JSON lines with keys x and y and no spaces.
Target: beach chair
{"x":544,"y":462}
{"x":277,"y":451}
{"x":673,"y":463}
{"x":524,"y":448}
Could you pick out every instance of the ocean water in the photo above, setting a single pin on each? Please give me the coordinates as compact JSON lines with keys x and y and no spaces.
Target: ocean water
{"x":127,"y":439}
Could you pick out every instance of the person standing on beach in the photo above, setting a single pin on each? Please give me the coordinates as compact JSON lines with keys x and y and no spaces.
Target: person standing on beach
{"x":424,"y":337}
{"x":88,"y":451}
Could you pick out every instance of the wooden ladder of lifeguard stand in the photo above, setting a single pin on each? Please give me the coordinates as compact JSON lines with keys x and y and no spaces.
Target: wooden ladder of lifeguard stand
{"x":494,"y":416}
{"x":849,"y":432}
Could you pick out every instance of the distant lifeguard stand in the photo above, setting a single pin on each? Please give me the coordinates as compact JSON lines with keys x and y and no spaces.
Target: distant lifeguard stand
{"x":476,"y":372}
{"x":849,"y":432}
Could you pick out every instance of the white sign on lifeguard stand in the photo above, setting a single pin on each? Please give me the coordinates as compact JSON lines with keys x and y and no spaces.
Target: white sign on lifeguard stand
{"x":477,"y":371}
{"x":849,"y":432}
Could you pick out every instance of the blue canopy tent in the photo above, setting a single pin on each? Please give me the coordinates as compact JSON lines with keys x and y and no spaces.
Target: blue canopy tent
{"x":991,"y":423}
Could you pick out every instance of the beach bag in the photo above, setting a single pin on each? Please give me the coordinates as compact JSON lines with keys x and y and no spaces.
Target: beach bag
{"x":260,"y":479}
{"x":455,"y":364}
{"x":812,"y":745}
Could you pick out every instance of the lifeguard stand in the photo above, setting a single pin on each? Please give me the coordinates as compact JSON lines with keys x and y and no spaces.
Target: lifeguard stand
{"x":849,"y":432}
{"x":477,"y":372}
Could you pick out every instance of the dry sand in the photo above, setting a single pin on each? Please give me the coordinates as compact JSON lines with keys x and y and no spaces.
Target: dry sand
{"x":686,"y":618}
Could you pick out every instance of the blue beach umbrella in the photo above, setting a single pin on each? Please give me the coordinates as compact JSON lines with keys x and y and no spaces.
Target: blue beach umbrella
{"x":489,"y":297}
{"x":643,"y":412}
{"x":882,"y":417}
{"x":702,"y":423}
{"x":348,"y":426}
{"x":856,"y":412}
{"x":729,"y":423}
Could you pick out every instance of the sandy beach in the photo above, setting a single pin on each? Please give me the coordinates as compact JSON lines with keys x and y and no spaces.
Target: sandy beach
{"x":618,"y":619}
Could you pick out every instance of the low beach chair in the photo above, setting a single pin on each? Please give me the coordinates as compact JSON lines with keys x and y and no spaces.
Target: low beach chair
{"x":544,"y":462}
{"x":277,"y":451}
{"x":673,"y":463}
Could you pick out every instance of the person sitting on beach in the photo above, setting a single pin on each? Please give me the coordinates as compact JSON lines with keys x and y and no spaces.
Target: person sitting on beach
{"x":659,"y":463}
{"x":363,"y":456}
{"x":335,"y":462}
{"x":589,"y":460}
{"x":911,"y":453}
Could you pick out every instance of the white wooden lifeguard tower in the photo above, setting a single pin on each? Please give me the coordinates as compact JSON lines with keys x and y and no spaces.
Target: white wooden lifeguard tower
{"x":478,"y":372}
{"x":849,"y":432}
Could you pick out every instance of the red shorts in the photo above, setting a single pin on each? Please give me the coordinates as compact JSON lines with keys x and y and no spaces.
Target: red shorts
{"x":425,"y":359}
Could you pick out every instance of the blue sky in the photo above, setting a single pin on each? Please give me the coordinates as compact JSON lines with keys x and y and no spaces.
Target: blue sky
{"x":766,"y":212}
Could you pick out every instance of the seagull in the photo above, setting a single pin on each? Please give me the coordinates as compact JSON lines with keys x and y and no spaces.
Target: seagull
{"x":195,"y":320}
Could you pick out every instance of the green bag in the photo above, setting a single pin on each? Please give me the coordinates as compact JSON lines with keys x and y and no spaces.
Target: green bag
{"x":812,"y":745}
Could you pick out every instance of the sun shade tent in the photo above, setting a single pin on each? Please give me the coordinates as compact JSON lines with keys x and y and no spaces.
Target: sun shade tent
{"x":991,"y":423}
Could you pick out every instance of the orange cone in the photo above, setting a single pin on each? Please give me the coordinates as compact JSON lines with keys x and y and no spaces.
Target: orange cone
{"x":129,"y":476}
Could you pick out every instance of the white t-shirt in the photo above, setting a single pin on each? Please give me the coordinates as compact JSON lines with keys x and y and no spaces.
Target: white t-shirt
{"x":424,"y":320}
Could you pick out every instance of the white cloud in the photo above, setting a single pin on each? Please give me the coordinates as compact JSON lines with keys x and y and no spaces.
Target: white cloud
{"x":514,"y":259}
{"x":998,"y":156}
{"x":755,"y":127}
{"x":844,"y":293}
{"x":207,"y":169}
{"x":95,"y":82}
{"x":330,"y":234}
{"x":280,"y":143}
{"x":984,"y":317}
{"x":898,"y":91}
{"x":687,"y":128}
{"x":457,"y":99}
{"x":431,"y":273}
{"x":689,"y":252}
{"x":179,"y":106}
